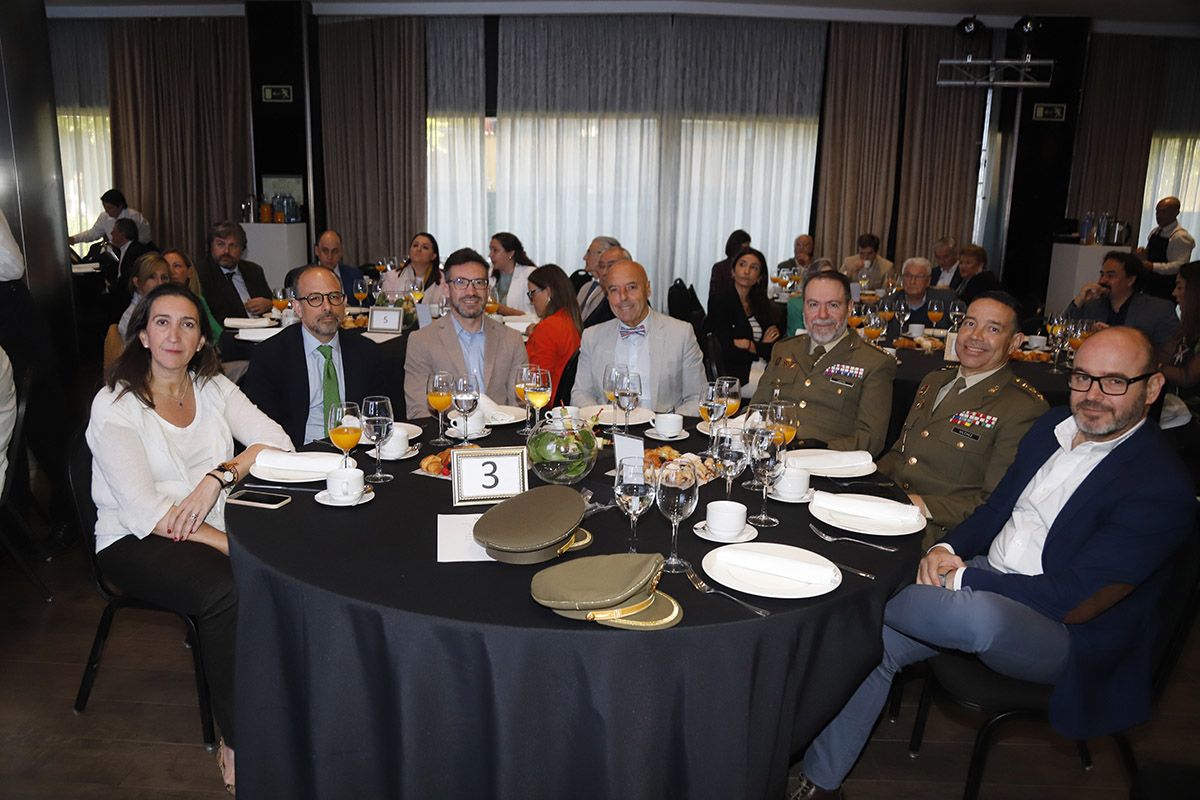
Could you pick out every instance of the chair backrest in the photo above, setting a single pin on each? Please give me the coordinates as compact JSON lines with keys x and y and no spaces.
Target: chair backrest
{"x":579,"y":278}
{"x":562,"y":393}
{"x":79,"y":474}
{"x":1177,"y":610}
{"x":16,"y":444}
{"x":714,"y":359}
{"x":113,"y":345}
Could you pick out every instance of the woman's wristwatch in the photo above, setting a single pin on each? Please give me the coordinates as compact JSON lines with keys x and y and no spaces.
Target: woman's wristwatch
{"x":226,"y":474}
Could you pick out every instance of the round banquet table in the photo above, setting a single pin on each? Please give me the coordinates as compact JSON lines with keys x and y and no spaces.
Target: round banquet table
{"x":365,"y":668}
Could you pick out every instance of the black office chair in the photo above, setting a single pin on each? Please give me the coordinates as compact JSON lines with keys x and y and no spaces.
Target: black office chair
{"x":10,"y":518}
{"x":974,"y":686}
{"x":714,"y":356}
{"x":562,"y":392}
{"x":579,"y":278}
{"x":81,"y":489}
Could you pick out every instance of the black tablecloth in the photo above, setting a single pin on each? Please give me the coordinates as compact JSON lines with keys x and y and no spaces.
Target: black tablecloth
{"x":366,"y":669}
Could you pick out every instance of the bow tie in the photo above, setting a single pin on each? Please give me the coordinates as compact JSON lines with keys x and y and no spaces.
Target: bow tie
{"x":637,"y":330}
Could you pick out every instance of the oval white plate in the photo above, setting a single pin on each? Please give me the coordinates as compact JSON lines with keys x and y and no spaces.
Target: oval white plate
{"x":513,"y":415}
{"x":639,"y":416}
{"x":323,"y":498}
{"x":871,"y":527}
{"x":763,"y":585}
{"x":651,"y":433}
{"x":413,"y":431}
{"x":748,"y":533}
{"x":479,"y":434}
{"x":806,"y":498}
{"x":409,"y":453}
{"x":289,"y":475}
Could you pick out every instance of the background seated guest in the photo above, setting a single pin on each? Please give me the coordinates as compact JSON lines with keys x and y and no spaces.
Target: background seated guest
{"x":916,"y":293}
{"x":465,"y":341}
{"x":1181,"y":367}
{"x":423,"y":266}
{"x":721,"y":277}
{"x":591,"y":295}
{"x":867,"y":264}
{"x":233,"y":287}
{"x":660,"y":349}
{"x":802,"y":254}
{"x":742,"y":318}
{"x":1063,"y":564}
{"x":128,"y":250}
{"x":161,"y":433}
{"x":795,"y":303}
{"x":184,"y":274}
{"x":945,"y":258}
{"x":947,"y":464}
{"x":328,"y":251}
{"x":603,"y":311}
{"x":150,"y":272}
{"x":297,"y":374}
{"x":115,"y":208}
{"x":510,"y":272}
{"x":976,"y":278}
{"x":841,"y":382}
{"x":555,"y":337}
{"x":1114,"y":300}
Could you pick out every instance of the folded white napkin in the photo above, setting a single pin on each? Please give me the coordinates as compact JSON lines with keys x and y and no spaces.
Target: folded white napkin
{"x":245,"y":322}
{"x":877,"y":509}
{"x":487,"y":406}
{"x":257,"y":334}
{"x":828,"y":459}
{"x":780,"y":567}
{"x":299,"y":462}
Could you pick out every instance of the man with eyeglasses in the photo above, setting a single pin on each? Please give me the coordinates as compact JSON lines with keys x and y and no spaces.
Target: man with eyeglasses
{"x":465,"y":341}
{"x":598,"y":310}
{"x":1056,"y":578}
{"x":591,"y":294}
{"x":915,"y":292}
{"x":297,"y":374}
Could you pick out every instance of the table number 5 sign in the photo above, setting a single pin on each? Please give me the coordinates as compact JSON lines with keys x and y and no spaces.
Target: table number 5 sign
{"x":482,"y":475}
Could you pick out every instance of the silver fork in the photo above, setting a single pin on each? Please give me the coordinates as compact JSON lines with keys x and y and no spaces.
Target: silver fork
{"x":842,"y":482}
{"x":822,"y":534}
{"x":699,"y":583}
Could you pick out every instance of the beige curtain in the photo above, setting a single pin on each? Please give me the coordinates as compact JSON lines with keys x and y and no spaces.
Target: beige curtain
{"x":859,"y":133}
{"x":939,"y":171}
{"x":373,"y":128}
{"x":1116,"y":120}
{"x":180,"y":123}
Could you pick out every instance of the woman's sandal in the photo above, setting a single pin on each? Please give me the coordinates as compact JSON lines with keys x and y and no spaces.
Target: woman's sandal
{"x":229,"y":787}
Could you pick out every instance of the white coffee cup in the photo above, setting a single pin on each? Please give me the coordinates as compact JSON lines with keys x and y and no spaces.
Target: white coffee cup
{"x":396,"y":445}
{"x":345,"y":485}
{"x":472,"y":424}
{"x":793,"y":483}
{"x":562,"y":412}
{"x":725,"y":519}
{"x":668,"y":424}
{"x":916,"y":330}
{"x":1036,"y":342}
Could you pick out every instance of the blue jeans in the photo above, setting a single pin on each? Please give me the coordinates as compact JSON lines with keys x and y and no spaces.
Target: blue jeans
{"x":919,"y":622}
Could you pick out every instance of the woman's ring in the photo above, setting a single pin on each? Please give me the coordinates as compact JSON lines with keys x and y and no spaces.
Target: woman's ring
{"x":193,"y":515}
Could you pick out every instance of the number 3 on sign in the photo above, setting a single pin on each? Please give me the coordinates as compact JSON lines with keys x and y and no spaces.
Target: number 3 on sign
{"x":482,"y":475}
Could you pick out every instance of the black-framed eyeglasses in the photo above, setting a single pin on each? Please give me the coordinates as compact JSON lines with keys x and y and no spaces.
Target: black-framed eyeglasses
{"x":1115,"y":385}
{"x":316,"y":298}
{"x":534,"y":291}
{"x":462,"y":283}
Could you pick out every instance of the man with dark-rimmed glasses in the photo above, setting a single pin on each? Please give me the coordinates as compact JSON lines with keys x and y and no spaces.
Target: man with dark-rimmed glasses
{"x":1055,"y":579}
{"x":299,"y":372}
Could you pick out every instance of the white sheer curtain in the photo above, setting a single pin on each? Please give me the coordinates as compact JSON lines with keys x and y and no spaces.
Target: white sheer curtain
{"x":1174,"y":166}
{"x":79,"y":61}
{"x":456,"y":181}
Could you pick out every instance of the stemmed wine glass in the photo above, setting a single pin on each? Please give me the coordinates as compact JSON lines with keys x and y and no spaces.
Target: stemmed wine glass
{"x":874,"y":326}
{"x":756,"y":415}
{"x":713,"y":407}
{"x":1056,"y":326}
{"x":416,"y":290}
{"x":733,"y":394}
{"x":377,"y":428}
{"x":466,"y":399}
{"x":362,"y":288}
{"x":633,"y":486}
{"x":935,"y":311}
{"x":958,"y":312}
{"x":538,"y":388}
{"x":628,"y":395}
{"x":612,"y":376}
{"x":903,"y":313}
{"x":281,"y":298}
{"x":766,"y":459}
{"x":519,"y":381}
{"x":729,"y":445}
{"x":439,"y":394}
{"x":345,"y":428}
{"x":678,"y":491}
{"x":782,"y":416}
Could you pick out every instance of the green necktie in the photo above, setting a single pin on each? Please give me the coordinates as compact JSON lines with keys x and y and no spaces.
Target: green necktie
{"x":329,"y":383}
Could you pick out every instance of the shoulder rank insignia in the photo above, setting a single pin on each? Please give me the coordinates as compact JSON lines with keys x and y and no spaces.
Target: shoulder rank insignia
{"x":1031,"y":390}
{"x":844,"y":371}
{"x":924,"y":388}
{"x":785,"y":362}
{"x":969,"y":419}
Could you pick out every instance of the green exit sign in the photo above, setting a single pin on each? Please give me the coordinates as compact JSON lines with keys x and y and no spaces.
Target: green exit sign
{"x":277,"y":94}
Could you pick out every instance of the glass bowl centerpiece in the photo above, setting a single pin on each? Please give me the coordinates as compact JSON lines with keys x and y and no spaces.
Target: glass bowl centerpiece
{"x":562,"y":449}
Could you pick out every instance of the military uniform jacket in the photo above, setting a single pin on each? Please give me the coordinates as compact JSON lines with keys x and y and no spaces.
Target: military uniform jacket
{"x":844,"y":397}
{"x":954,"y":455}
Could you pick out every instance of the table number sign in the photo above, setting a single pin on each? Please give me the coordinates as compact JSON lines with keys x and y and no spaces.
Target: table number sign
{"x":482,"y":475}
{"x":384,"y":319}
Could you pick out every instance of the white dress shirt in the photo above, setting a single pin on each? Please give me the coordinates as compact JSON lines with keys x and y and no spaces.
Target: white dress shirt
{"x":947,"y":275}
{"x":635,"y":351}
{"x":103,"y":227}
{"x":1179,"y":248}
{"x":12,"y":263}
{"x":314,"y":428}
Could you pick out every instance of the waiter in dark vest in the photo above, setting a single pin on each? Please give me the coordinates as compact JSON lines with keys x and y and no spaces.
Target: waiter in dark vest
{"x":1168,"y":248}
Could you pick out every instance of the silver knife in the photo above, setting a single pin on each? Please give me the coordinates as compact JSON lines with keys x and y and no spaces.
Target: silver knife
{"x":284,"y":488}
{"x":866,"y":575}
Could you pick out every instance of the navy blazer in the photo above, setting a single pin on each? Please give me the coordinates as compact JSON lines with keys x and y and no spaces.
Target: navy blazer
{"x":277,"y":379}
{"x":1102,"y":568}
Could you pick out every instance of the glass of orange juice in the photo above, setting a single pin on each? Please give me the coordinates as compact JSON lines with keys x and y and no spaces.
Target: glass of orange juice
{"x":874,"y":326}
{"x":281,"y":298}
{"x":732,"y":389}
{"x":935,"y":311}
{"x":492,"y":305}
{"x":781,"y":416}
{"x":524,"y":375}
{"x":345,"y":428}
{"x":438,"y":393}
{"x":362,"y":287}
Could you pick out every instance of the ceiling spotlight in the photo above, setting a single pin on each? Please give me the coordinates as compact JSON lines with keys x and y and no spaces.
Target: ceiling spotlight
{"x":1027,"y":25}
{"x":970,"y":27}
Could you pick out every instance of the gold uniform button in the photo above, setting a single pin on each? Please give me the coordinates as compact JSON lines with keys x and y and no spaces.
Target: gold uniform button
{"x":959,"y":445}
{"x":803,"y":403}
{"x":808,"y":381}
{"x":839,"y":391}
{"x":925,"y":434}
{"x":904,"y":486}
{"x":912,"y":460}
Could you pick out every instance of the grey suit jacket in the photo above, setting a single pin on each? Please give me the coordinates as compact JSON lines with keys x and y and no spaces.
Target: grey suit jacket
{"x":675,"y":358}
{"x":1152,"y":316}
{"x":435,"y":347}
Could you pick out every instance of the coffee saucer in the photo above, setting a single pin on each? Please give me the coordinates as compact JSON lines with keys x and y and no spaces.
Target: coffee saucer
{"x":804,"y":498}
{"x":651,"y":433}
{"x":454,"y":433}
{"x":748,"y":533}
{"x":409,"y":453}
{"x":324,"y":499}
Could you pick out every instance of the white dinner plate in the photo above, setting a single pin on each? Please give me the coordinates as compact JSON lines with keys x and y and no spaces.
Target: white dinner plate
{"x":763,"y":585}
{"x":324,"y":499}
{"x":651,"y":433}
{"x":256,"y":334}
{"x":872,"y":527}
{"x":289,"y":475}
{"x":638,"y":416}
{"x":479,"y":434}
{"x":837,"y":472}
{"x":249,"y":322}
{"x":734,"y":422}
{"x":413,"y":431}
{"x":748,"y":533}
{"x":409,"y":453}
{"x":805,"y":498}
{"x":514,"y":414}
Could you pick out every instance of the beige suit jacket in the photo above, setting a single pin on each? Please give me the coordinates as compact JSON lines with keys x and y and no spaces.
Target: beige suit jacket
{"x":435,"y":347}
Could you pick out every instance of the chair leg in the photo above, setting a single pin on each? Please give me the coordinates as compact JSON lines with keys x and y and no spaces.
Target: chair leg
{"x":979,"y":753}
{"x":918,"y":731}
{"x":895,"y":696}
{"x":15,"y":518}
{"x":93,"y":662}
{"x":1085,"y":755}
{"x":202,"y":693}
{"x":1128,"y":759}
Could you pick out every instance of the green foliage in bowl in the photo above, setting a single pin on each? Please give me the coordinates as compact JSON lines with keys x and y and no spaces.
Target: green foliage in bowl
{"x":562,"y":451}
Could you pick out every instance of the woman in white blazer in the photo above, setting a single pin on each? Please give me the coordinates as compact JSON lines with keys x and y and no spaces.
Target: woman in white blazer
{"x":510,"y":273}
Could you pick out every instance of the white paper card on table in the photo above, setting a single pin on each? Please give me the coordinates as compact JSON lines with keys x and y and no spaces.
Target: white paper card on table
{"x":951,"y":352}
{"x":380,"y":338}
{"x":484,"y":475}
{"x":628,"y":447}
{"x":383,"y":319}
{"x":424,"y":315}
{"x":456,"y":539}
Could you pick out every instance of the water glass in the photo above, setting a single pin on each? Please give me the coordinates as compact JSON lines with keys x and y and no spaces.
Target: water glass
{"x":634,"y":489}
{"x":678,"y":491}
{"x":378,"y":422}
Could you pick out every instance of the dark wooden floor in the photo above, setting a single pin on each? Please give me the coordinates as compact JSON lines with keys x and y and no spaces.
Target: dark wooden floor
{"x":140,"y":735}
